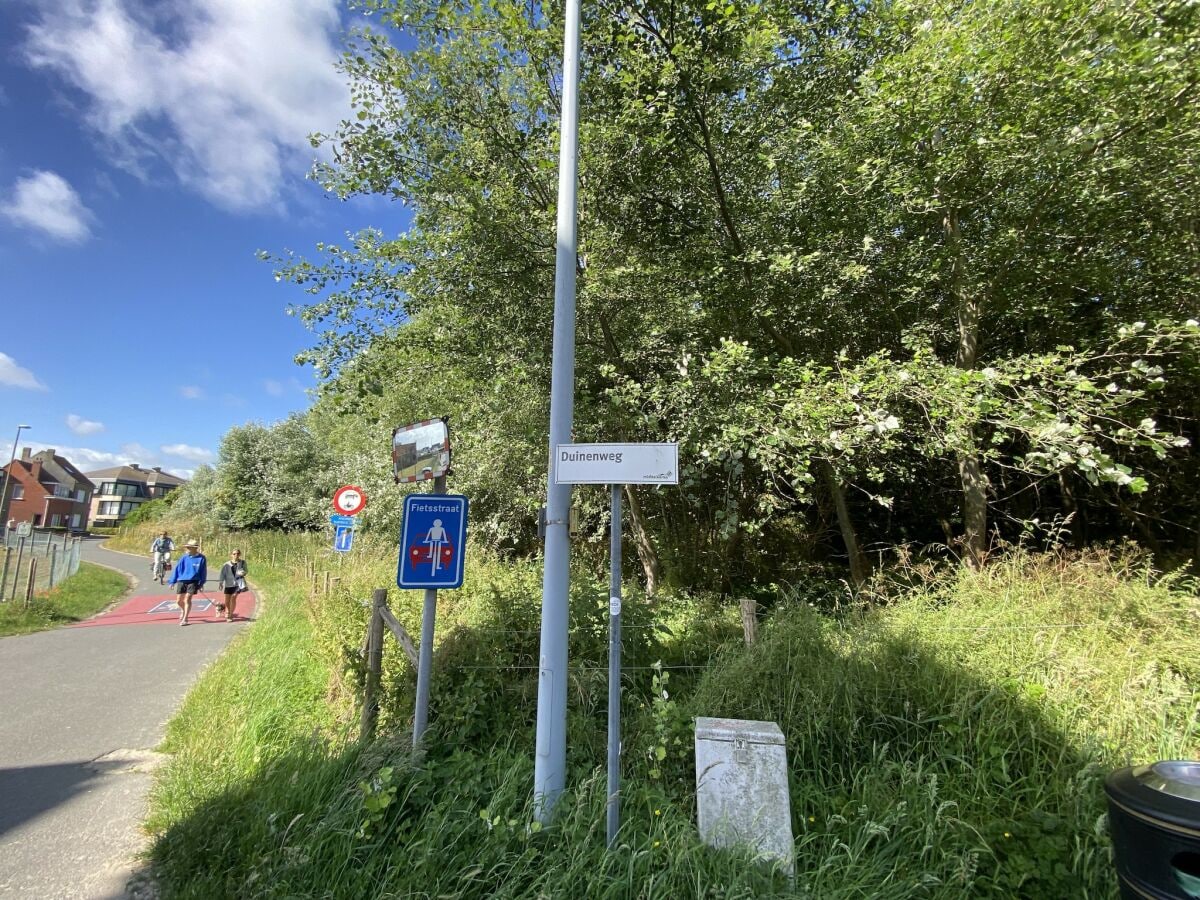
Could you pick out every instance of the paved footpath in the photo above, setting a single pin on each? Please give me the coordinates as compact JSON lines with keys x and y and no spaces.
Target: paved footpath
{"x":81,"y":711}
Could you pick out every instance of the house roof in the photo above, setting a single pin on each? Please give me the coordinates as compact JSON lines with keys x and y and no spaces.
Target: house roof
{"x":135,"y":473}
{"x":67,"y":466}
{"x":45,"y":479}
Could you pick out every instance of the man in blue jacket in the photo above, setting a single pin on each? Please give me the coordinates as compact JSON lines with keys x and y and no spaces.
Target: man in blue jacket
{"x":189,"y":576}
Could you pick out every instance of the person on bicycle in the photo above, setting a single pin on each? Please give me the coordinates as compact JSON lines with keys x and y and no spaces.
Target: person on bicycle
{"x":160,"y":552}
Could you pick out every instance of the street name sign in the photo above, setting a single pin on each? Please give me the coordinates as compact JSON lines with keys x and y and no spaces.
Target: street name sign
{"x":616,"y":464}
{"x":337,"y":519}
{"x":433,"y":541}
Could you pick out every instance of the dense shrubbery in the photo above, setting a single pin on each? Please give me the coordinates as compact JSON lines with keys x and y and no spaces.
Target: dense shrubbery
{"x":931,"y":280}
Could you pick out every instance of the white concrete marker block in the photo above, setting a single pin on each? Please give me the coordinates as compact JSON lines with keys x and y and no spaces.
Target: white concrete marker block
{"x":742,"y":788}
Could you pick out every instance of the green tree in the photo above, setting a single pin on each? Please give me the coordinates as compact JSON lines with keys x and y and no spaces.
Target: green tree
{"x":784,"y":212}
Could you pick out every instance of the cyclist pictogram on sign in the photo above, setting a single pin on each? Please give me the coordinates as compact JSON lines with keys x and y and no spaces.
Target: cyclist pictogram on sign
{"x":435,"y":550}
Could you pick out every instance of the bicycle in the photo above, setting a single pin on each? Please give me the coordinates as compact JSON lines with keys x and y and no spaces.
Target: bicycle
{"x":162,"y":562}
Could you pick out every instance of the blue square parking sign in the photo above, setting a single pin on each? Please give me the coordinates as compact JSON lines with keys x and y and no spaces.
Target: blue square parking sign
{"x":433,"y":541}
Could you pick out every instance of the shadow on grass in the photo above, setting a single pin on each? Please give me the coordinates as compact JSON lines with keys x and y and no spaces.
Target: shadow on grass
{"x":914,"y":778}
{"x":909,"y":778}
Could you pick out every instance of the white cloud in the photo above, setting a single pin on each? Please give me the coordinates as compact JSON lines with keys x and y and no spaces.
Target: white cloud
{"x":191,"y":392}
{"x":46,"y":202}
{"x":224,"y":91}
{"x":135,"y":452}
{"x":188,"y":452}
{"x":273,"y":387}
{"x":85,"y":458}
{"x":13,"y":375}
{"x":80,"y":425}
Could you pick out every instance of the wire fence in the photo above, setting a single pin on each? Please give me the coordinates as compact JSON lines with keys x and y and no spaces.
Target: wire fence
{"x":35,"y":562}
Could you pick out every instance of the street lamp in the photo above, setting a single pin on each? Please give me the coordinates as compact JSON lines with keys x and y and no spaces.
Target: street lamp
{"x":8,"y":477}
{"x":550,"y":760}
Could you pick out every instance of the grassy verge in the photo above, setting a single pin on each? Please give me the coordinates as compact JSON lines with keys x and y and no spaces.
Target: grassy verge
{"x":950,"y":742}
{"x":81,"y":596}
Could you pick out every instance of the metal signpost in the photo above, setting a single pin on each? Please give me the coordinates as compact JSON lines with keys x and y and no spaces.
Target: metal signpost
{"x":432,"y":549}
{"x":615,"y":465}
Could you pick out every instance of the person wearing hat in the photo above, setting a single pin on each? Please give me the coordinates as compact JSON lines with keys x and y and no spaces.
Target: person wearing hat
{"x":189,"y":576}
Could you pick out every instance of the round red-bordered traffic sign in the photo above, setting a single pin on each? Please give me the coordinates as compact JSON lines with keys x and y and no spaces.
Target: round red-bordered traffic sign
{"x":349,"y":500}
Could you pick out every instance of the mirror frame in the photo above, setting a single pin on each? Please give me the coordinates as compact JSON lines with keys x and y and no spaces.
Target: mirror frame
{"x":440,"y":458}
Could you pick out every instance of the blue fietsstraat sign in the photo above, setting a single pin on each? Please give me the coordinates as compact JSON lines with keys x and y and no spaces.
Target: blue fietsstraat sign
{"x":433,"y":541}
{"x":343,"y":538}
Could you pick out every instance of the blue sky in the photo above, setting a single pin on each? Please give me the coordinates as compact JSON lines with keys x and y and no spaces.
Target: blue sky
{"x":148,"y":149}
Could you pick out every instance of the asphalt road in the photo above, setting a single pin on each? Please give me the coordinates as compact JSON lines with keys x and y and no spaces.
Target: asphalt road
{"x":81,"y":711}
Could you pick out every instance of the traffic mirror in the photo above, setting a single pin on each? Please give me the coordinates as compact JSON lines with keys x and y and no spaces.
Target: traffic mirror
{"x":421,"y":451}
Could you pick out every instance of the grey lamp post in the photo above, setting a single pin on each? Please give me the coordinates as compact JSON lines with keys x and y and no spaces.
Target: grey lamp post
{"x":550,"y":760}
{"x":8,"y":477}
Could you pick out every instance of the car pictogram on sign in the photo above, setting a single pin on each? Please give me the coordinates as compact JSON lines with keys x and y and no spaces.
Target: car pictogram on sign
{"x":424,"y":554}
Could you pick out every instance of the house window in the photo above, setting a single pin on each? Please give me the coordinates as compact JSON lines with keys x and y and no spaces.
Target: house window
{"x":76,"y":520}
{"x":80,"y":496}
{"x":110,"y":508}
{"x":108,"y":488}
{"x":55,"y":520}
{"x":37,"y":519}
{"x":18,"y":491}
{"x":127,"y":507}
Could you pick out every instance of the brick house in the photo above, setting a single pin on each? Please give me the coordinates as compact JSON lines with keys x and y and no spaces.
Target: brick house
{"x":48,"y":491}
{"x":121,"y":489}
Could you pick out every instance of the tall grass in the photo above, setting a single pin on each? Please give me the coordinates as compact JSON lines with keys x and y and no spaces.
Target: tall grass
{"x":972,"y":722}
{"x":950,"y":742}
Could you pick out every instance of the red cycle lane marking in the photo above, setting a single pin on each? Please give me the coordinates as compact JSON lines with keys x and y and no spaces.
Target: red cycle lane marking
{"x":161,"y":608}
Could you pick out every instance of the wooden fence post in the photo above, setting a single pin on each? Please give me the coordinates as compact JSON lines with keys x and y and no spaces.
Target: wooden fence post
{"x":16,"y":588}
{"x":4,"y":576}
{"x":32,"y":576}
{"x":370,"y":710}
{"x":749,"y":620}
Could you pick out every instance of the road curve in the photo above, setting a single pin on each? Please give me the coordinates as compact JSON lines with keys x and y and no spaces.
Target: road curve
{"x":81,"y":711}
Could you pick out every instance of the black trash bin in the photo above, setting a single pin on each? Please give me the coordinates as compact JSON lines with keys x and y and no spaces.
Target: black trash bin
{"x":1154,"y":817}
